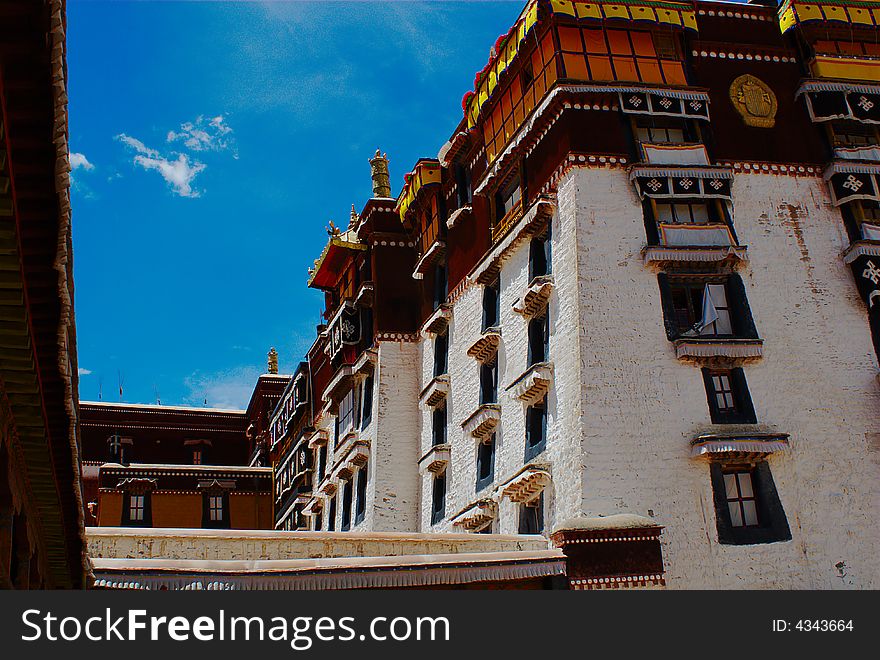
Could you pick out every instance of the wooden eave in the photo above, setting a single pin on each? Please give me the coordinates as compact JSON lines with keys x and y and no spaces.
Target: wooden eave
{"x":333,"y":259}
{"x":38,"y":364}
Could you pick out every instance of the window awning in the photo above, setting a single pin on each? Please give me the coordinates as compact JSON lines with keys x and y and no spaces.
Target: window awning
{"x":675,"y":154}
{"x":751,"y":443}
{"x":680,"y":183}
{"x":849,"y":180}
{"x":667,"y":103}
{"x":841,"y":100}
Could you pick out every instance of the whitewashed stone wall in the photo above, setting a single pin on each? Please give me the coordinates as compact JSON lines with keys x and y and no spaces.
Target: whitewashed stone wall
{"x":817,"y":381}
{"x":393,"y":488}
{"x":562,"y":497}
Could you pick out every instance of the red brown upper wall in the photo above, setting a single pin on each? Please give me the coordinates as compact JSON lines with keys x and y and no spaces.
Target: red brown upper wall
{"x":164,"y":434}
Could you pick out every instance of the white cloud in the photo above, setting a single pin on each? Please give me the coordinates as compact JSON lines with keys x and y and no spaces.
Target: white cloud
{"x":136,"y":144}
{"x":78,"y":161}
{"x":231,"y":388}
{"x":84,"y":372}
{"x":179,"y":173}
{"x":204,"y":134}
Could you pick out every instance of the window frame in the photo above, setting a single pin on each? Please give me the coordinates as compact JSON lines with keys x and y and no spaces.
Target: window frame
{"x":743,"y":411}
{"x":441,"y":353}
{"x":439,"y":425}
{"x":741,"y":320}
{"x":772,"y":523}
{"x":360,"y":501}
{"x":485,"y":463}
{"x":366,"y":401}
{"x":208,"y":521}
{"x":347,"y":500}
{"x":489,"y":381}
{"x":146,"y":509}
{"x":438,"y":497}
{"x":492,"y":305}
{"x":538,"y":337}
{"x":531,"y":515}
{"x":541,"y":255}
{"x":534,"y":447}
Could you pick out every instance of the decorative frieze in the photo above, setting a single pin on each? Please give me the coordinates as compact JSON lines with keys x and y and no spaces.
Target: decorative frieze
{"x":863,"y":248}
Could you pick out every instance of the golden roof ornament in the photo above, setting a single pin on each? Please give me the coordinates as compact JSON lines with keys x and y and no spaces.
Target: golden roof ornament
{"x":754,"y":101}
{"x":272,"y":360}
{"x":333,"y":230}
{"x":353,"y":218}
{"x":379,"y":173}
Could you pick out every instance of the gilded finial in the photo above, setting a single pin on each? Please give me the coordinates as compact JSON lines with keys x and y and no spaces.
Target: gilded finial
{"x":379,"y":172}
{"x":272,"y":360}
{"x":353,"y":218}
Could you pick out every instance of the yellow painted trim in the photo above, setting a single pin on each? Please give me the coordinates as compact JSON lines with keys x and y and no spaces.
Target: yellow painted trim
{"x":842,"y":68}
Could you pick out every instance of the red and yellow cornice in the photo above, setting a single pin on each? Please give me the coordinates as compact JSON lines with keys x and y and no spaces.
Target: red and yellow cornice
{"x":425,"y":173}
{"x":852,"y":12}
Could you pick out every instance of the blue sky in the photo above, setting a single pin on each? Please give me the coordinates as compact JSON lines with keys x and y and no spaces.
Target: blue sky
{"x":212,"y":142}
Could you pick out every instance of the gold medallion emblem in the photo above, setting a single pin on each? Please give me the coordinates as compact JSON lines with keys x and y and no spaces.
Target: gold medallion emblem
{"x":754,"y":101}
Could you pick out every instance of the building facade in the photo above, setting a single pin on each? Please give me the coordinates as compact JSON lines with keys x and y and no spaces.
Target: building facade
{"x":634,"y":292}
{"x":179,"y":466}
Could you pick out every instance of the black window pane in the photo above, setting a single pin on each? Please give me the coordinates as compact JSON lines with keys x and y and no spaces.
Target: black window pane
{"x":538,"y":258}
{"x":489,"y":383}
{"x":346,"y":506}
{"x":438,"y":426}
{"x":438,"y":499}
{"x":361,"y":500}
{"x":441,"y":354}
{"x":539,"y":336}
{"x":531,"y":517}
{"x":485,"y":463}
{"x":491,"y":309}
{"x":331,"y":516}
